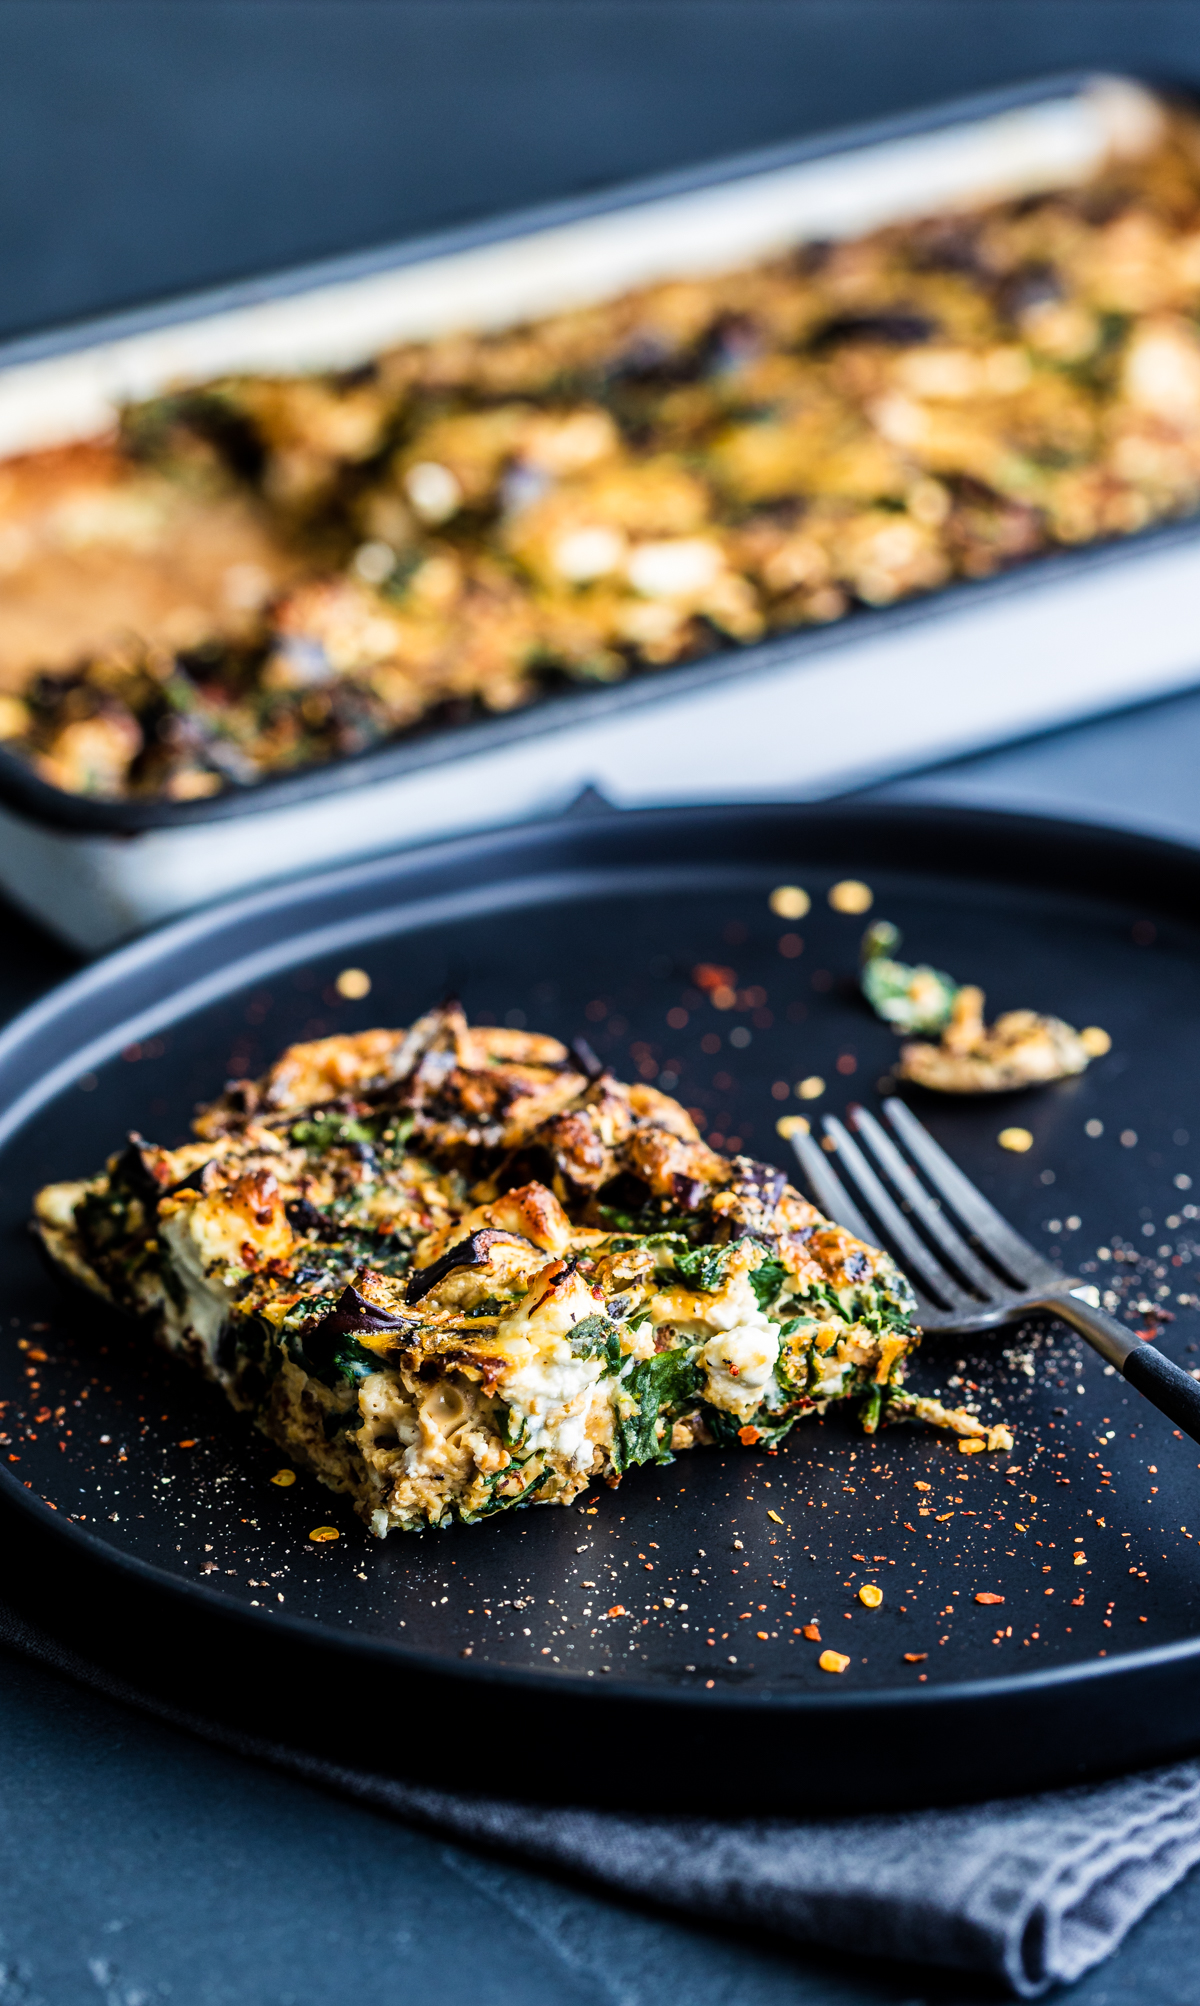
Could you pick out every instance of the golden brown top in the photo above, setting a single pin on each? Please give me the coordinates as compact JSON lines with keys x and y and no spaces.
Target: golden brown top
{"x":263,"y":573}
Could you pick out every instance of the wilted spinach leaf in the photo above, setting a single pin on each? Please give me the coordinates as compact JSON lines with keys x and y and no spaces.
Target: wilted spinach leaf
{"x":666,"y":1384}
{"x":766,"y":1281}
{"x":703,"y":1267}
{"x":596,"y":1337}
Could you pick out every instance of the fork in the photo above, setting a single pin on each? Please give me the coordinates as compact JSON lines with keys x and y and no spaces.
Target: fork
{"x":969,"y":1270}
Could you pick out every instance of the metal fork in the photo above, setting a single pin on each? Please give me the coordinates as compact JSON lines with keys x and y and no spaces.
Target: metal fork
{"x":970,"y":1271}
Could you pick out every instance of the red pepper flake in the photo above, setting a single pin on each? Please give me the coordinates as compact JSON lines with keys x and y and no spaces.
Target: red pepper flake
{"x":915,"y":1657}
{"x":985,"y":1596}
{"x":707,"y":976}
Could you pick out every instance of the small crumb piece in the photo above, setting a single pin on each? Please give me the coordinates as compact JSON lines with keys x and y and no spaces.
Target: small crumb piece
{"x":986,"y":1596}
{"x":1021,"y":1049}
{"x":870,"y":1595}
{"x":912,"y":999}
{"x":321,"y":1533}
{"x":970,"y":1445}
{"x":833,"y":1661}
{"x":1081,"y":1560}
{"x":1016,"y":1139}
{"x":789,"y":902}
{"x":1095,"y":1042}
{"x":353,"y":984}
{"x":283,"y":1478}
{"x":851,"y":895}
{"x":775,"y":1516}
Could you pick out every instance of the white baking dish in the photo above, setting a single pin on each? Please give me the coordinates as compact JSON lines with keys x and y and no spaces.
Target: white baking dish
{"x":797,"y":717}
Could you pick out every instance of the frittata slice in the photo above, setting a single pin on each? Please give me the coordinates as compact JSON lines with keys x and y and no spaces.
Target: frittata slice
{"x":454,"y":1270}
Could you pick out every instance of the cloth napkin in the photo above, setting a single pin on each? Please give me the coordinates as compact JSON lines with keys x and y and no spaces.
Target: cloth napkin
{"x":1032,"y":1891}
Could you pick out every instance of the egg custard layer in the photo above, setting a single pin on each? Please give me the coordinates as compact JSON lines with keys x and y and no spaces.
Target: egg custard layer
{"x":451,"y":1270}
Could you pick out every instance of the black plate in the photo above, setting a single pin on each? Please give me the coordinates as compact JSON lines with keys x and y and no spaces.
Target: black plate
{"x":151,"y":1527}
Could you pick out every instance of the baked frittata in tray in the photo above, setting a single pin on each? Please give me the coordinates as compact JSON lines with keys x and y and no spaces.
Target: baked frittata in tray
{"x":452,"y":1270}
{"x":262,"y":573}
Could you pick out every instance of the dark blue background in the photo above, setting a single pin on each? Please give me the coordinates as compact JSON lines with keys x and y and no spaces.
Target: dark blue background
{"x":149,"y":147}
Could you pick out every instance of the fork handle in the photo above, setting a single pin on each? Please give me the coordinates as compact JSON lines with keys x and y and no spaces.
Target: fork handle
{"x":1166,"y":1386}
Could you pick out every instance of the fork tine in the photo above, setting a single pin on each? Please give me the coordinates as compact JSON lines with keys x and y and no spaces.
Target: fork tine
{"x":835,"y":1201}
{"x":910,"y":1250}
{"x":827,"y":1187}
{"x":926,"y":1210}
{"x":1023,"y":1262}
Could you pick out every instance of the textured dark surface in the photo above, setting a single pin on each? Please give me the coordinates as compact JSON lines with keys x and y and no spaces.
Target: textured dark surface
{"x":150,"y":146}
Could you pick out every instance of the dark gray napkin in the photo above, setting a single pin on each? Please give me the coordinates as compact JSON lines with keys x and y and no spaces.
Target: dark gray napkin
{"x":1030,"y":1890}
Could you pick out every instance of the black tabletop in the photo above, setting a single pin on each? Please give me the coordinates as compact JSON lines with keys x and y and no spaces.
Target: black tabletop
{"x":144,"y":147}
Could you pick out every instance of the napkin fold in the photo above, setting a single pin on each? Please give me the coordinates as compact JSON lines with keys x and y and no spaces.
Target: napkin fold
{"x":1032,"y":1891}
